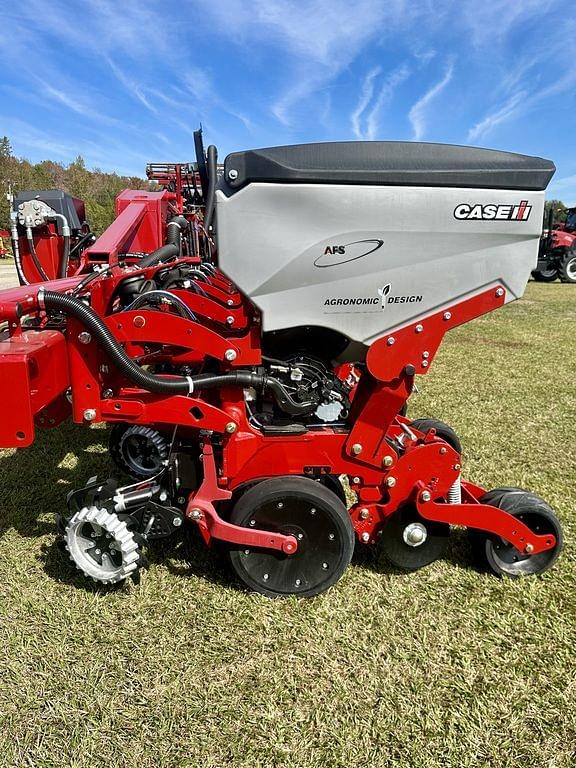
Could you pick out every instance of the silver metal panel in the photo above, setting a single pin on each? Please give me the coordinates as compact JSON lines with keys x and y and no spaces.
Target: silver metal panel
{"x":299,"y":251}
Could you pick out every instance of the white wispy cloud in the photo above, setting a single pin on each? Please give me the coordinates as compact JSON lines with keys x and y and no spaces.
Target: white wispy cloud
{"x":507,"y":111}
{"x":133,"y":87}
{"x":392,"y":82}
{"x":366,"y":95}
{"x":417,"y":114}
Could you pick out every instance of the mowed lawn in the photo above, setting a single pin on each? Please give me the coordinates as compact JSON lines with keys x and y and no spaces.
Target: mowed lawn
{"x":446,"y":667}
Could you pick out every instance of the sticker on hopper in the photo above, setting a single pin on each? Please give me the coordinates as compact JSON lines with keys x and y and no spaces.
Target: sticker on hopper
{"x":335,"y":255}
{"x":490,"y":212}
{"x":337,"y":305}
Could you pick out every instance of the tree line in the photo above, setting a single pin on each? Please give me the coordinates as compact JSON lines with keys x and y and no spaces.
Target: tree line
{"x":97,"y":189}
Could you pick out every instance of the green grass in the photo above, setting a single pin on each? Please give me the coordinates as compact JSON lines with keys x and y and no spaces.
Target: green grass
{"x":446,"y":667}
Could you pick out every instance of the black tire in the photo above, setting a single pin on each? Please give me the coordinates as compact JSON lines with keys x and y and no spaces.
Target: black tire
{"x":306,"y":508}
{"x":545,"y":275}
{"x":408,"y":557}
{"x":123,"y":455}
{"x":496,"y":555}
{"x":567,"y":271}
{"x":443,"y":431}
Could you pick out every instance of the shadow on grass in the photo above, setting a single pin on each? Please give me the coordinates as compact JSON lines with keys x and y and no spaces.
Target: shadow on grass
{"x":35,"y":482}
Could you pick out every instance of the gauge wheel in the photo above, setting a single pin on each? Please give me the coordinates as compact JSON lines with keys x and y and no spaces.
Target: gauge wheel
{"x":410,"y":542}
{"x":443,"y":430}
{"x":307,"y":510}
{"x":501,"y":557}
{"x":545,"y":275}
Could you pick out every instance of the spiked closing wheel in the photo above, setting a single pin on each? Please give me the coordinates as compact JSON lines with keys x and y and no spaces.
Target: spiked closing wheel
{"x":410,"y":542}
{"x":302,"y":508}
{"x":101,"y":545}
{"x":138,"y":450}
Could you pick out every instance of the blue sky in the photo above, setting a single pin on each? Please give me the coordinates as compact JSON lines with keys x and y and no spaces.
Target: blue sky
{"x":126,"y":82}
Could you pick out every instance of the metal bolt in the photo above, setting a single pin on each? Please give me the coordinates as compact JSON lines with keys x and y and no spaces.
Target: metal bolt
{"x":107,"y":393}
{"x":425,"y":355}
{"x":414,"y":534}
{"x":266,"y":577}
{"x":89,"y":414}
{"x":356,"y":449}
{"x":331,"y":536}
{"x":447,"y":315}
{"x":252,"y":523}
{"x":246,"y":551}
{"x":443,"y":451}
{"x":313,"y":510}
{"x":390,"y":482}
{"x":230,"y":302}
{"x":387,"y":461}
{"x":163,"y":496}
{"x":232,"y":174}
{"x":419,"y":328}
{"x":300,"y":536}
{"x":230,"y":355}
{"x":424,"y":363}
{"x":529,"y":548}
{"x":425,"y":496}
{"x":230,"y":427}
{"x":84,"y":337}
{"x":280,"y":504}
{"x":364,"y":513}
{"x":196,"y":514}
{"x":97,"y":551}
{"x":139,"y":321}
{"x":230,"y":320}
{"x":181,"y":499}
{"x":356,"y":480}
{"x":325,"y":566}
{"x":500,"y":292}
{"x":297,"y":582}
{"x":457,"y":467}
{"x":177,"y":522}
{"x":390,"y":340}
{"x":365,"y":537}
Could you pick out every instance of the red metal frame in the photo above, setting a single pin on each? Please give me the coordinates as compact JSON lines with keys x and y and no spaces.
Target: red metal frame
{"x":39,"y":367}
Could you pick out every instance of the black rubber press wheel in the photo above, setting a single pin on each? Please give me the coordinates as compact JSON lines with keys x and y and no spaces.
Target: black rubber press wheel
{"x":500,"y":556}
{"x":303,"y":508}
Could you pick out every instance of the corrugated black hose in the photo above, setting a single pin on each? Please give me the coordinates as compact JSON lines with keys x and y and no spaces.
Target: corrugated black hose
{"x":176,"y":385}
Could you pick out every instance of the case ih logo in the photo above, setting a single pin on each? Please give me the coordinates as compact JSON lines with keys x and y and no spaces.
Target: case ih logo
{"x":491,"y":212}
{"x":370,"y":303}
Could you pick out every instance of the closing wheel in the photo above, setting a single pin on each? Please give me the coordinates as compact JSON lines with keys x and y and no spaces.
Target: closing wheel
{"x":410,"y":542}
{"x":299,"y":507}
{"x":503,"y":558}
{"x":137,"y":450}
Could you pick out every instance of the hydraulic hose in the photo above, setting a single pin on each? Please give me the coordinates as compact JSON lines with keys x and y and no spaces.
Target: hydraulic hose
{"x":174,"y":230}
{"x":176,"y":385}
{"x":16,"y":250}
{"x":164,"y":253}
{"x":34,"y":255}
{"x":212,"y":156}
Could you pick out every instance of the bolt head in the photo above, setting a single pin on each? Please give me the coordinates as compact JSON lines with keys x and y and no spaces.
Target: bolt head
{"x":232,"y":174}
{"x":107,"y":393}
{"x":84,"y":337}
{"x":89,"y":414}
{"x":266,"y":576}
{"x":390,"y":340}
{"x":425,"y":355}
{"x":357,"y":449}
{"x":229,"y":320}
{"x":364,"y":513}
{"x":424,"y":363}
{"x":425,"y":496}
{"x":231,"y":427}
{"x":387,"y":461}
{"x":365,"y":537}
{"x":419,"y":328}
{"x":356,"y":480}
{"x":139,"y":321}
{"x":390,"y":482}
{"x":447,"y":315}
{"x":196,"y":514}
{"x":529,"y":548}
{"x":177,"y":522}
{"x":230,"y":355}
{"x":457,"y":467}
{"x":297,"y":582}
{"x":500,"y":292}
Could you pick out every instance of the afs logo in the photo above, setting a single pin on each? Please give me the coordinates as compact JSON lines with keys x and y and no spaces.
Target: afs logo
{"x":335,"y":255}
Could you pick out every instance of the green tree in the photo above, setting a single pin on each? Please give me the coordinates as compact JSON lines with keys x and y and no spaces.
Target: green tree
{"x":559,"y":211}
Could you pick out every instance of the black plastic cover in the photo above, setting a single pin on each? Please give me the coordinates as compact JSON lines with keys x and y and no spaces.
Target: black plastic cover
{"x":60,"y":201}
{"x":389,"y":163}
